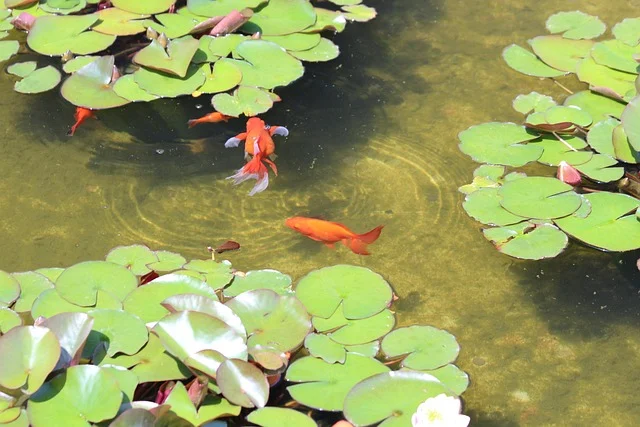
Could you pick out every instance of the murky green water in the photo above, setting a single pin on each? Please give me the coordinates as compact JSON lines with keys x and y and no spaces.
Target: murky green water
{"x":373,"y":141}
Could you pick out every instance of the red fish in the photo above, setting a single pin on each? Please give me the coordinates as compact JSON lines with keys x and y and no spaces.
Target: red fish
{"x":214,"y":117}
{"x":259,"y":144}
{"x":331,"y":233}
{"x":81,"y":115}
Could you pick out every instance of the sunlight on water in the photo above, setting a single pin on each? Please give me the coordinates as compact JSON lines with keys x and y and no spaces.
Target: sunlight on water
{"x":373,"y":141}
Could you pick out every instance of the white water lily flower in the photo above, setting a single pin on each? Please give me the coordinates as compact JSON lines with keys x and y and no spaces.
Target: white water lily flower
{"x":440,"y":411}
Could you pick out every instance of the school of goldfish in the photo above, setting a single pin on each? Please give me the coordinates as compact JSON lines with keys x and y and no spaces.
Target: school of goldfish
{"x":259,"y":152}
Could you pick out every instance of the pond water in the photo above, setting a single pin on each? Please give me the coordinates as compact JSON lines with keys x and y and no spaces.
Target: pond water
{"x":373,"y":141}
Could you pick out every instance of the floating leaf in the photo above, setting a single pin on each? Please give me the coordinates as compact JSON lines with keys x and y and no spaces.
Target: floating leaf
{"x":559,"y":52}
{"x":9,"y":319}
{"x":127,"y":88}
{"x":611,"y":225}
{"x":167,"y":261}
{"x":222,"y":46}
{"x":600,"y":136}
{"x":361,"y":292}
{"x":326,"y":50}
{"x":352,"y":332}
{"x":484,"y":206}
{"x":617,"y":83}
{"x":119,"y":22}
{"x":41,"y":80}
{"x":63,"y":7}
{"x":220,"y":7}
{"x":50,"y":303}
{"x":54,"y":35}
{"x":281,"y":17}
{"x":123,"y":332}
{"x":31,"y":286}
{"x":71,"y":330}
{"x":9,"y":289}
{"x":168,"y":85}
{"x":539,"y":197}
{"x":77,"y":63}
{"x":29,"y":354}
{"x":246,"y":100}
{"x":277,"y":417}
{"x":561,"y":113}
{"x":259,"y":279}
{"x":390,"y":397}
{"x":527,"y":63}
{"x":145,"y":7}
{"x":172,"y":25}
{"x":631,"y":122}
{"x":599,"y":107}
{"x":296,"y":41}
{"x":569,"y":150}
{"x":205,"y":305}
{"x":22,"y":69}
{"x":532,"y":102}
{"x":211,"y":408}
{"x":453,"y":377}
{"x":622,"y":147}
{"x":327,"y":20}
{"x":528,"y":240}
{"x":175,"y":59}
{"x":575,"y":25}
{"x":370,"y":349}
{"x":8,"y":49}
{"x":615,"y":54}
{"x":628,"y":31}
{"x":427,"y":347}
{"x":135,"y":258}
{"x":224,"y":76}
{"x":359,"y":13}
{"x":323,"y":347}
{"x":499,"y":143}
{"x":325,"y":385}
{"x":599,"y":169}
{"x":217,"y":274}
{"x":242,"y":383}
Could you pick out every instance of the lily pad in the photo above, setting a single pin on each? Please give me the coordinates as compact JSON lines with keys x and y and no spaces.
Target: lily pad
{"x":211,"y":408}
{"x":50,"y":303}
{"x":220,"y":7}
{"x":612,"y":82}
{"x":167,"y":261}
{"x":119,"y":22}
{"x":71,"y":330}
{"x":600,"y":169}
{"x":77,"y":63}
{"x":22,"y":69}
{"x":559,"y":52}
{"x":622,"y":147}
{"x":599,"y":107}
{"x":223,"y":77}
{"x":390,"y":397}
{"x":631,"y":122}
{"x":122,"y":332}
{"x":575,"y":25}
{"x":277,"y":417}
{"x":173,"y":25}
{"x":8,"y":48}
{"x":55,"y":35}
{"x":353,"y":332}
{"x":63,"y":7}
{"x":326,"y":385}
{"x":539,"y":197}
{"x":600,"y":136}
{"x":175,"y":59}
{"x":532,"y":102}
{"x":499,"y":144}
{"x":628,"y":31}
{"x":9,"y":289}
{"x":31,"y":286}
{"x":359,"y":13}
{"x":528,"y":240}
{"x":205,"y":305}
{"x":278,"y":321}
{"x":144,"y":7}
{"x":453,"y":377}
{"x":29,"y":354}
{"x":427,"y":347}
{"x":323,"y":347}
{"x":9,"y":319}
{"x":484,"y":206}
{"x":296,"y":41}
{"x":572,"y":114}
{"x":242,"y":383}
{"x":527,"y":63}
{"x":246,"y":100}
{"x":615,"y":54}
{"x":571,"y":151}
{"x":168,"y":85}
{"x":127,"y":88}
{"x":278,"y":282}
{"x":329,"y":20}
{"x":135,"y":258}
{"x":281,"y":17}
{"x":611,"y":225}
{"x":326,"y":50}
{"x":358,"y":291}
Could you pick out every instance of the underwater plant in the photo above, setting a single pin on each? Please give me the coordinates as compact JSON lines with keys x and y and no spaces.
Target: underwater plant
{"x":148,"y":338}
{"x":119,"y":51}
{"x":592,"y":138}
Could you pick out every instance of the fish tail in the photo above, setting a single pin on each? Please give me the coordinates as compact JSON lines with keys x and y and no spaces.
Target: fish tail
{"x":255,"y":169}
{"x":371,"y":236}
{"x":191,"y":123}
{"x":357,"y":246}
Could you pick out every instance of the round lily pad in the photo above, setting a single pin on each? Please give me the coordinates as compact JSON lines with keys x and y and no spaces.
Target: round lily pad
{"x":173,"y":25}
{"x":71,"y":330}
{"x":390,"y":397}
{"x":78,"y":62}
{"x":242,"y":383}
{"x":167,"y":261}
{"x":63,"y":7}
{"x":220,"y":7}
{"x":169,"y":85}
{"x":205,"y":305}
{"x":217,"y":274}
{"x":135,"y":258}
{"x":606,"y":80}
{"x":296,"y":41}
{"x":79,"y":284}
{"x":427,"y":347}
{"x":601,"y":168}
{"x":281,"y":17}
{"x":277,"y":417}
{"x":249,"y":101}
{"x":571,"y":114}
{"x":599,"y":107}
{"x":600,"y":136}
{"x":122,"y":332}
{"x":9,"y":289}
{"x":628,"y":31}
{"x":119,"y":22}
{"x":223,"y":77}
{"x":451,"y":376}
{"x":484,"y":206}
{"x":278,"y":321}
{"x":278,"y":282}
{"x":499,"y":144}
{"x":325,"y":385}
{"x":611,"y":225}
{"x":55,"y":35}
{"x":9,"y":319}
{"x":539,"y":197}
{"x":359,"y":13}
{"x":330,"y":20}
{"x":127,"y":88}
{"x":174,"y":59}
{"x":8,"y":48}
{"x":528,"y":240}
{"x":532,"y":101}
{"x":359,"y":291}
{"x":50,"y":303}
{"x":22,"y":69}
{"x":527,"y":63}
{"x":29,"y":354}
{"x":571,"y":151}
{"x":146,"y":7}
{"x":575,"y":25}
{"x":212,"y":407}
{"x":630,"y":122}
{"x":615,"y":54}
{"x":41,"y":80}
{"x":31,"y":286}
{"x":90,"y":87}
{"x":352,"y":332}
{"x":323,"y":347}
{"x":559,"y":52}
{"x":326,"y":50}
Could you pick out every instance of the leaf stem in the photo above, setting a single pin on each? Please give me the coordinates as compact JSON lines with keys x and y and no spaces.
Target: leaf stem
{"x":562,"y":86}
{"x":564,"y":142}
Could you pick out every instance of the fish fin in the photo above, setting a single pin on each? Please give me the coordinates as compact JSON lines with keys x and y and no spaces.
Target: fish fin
{"x":371,"y":236}
{"x":357,"y":246}
{"x":232,"y":142}
{"x":191,"y":123}
{"x":255,"y":169}
{"x":330,"y":245}
{"x":278,"y":130}
{"x":272,"y":166}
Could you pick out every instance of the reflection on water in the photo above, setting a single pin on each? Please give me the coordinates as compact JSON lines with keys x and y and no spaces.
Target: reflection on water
{"x":373,"y":141}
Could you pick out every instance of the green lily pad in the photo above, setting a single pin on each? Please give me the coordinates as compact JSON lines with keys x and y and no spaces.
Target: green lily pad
{"x":127,"y":88}
{"x":611,"y":225}
{"x":242,"y":383}
{"x":427,"y":347}
{"x":41,"y":80}
{"x":22,"y":69}
{"x":532,"y":102}
{"x":278,"y":282}
{"x":556,"y":151}
{"x":175,"y":59}
{"x":204,"y":54}
{"x":615,"y":83}
{"x":223,"y":77}
{"x":9,"y":289}
{"x":631,"y":122}
{"x":167,"y":261}
{"x":145,"y":301}
{"x":370,"y":349}
{"x":484,"y":206}
{"x":77,"y":63}
{"x":29,"y":354}
{"x":628,"y":31}
{"x":123,"y":332}
{"x":528,"y":240}
{"x":246,"y":100}
{"x":71,"y":330}
{"x":527,"y":63}
{"x":277,"y":321}
{"x":600,"y":169}
{"x":8,"y":48}
{"x":572,"y":114}
{"x":599,"y":107}
{"x":296,"y":41}
{"x":127,"y":380}
{"x":222,"y":46}
{"x":205,"y":305}
{"x":361,"y":292}
{"x":31,"y":286}
{"x":600,"y":136}
{"x":9,"y":319}
{"x":353,"y":332}
{"x":119,"y":22}
{"x":323,"y":347}
{"x":615,"y":54}
{"x":217,"y":274}
{"x":281,"y":17}
{"x":50,"y":303}
{"x":451,"y":376}
{"x":211,"y":408}
{"x":500,"y":144}
{"x":359,"y":13}
{"x":326,"y":385}
{"x":575,"y":25}
{"x":220,"y":7}
{"x":144,"y":7}
{"x":326,"y":50}
{"x":173,"y":25}
{"x":51,"y":273}
{"x":277,"y":417}
{"x":81,"y":394}
{"x":622,"y":147}
{"x":168,"y":85}
{"x":79,"y":284}
{"x":55,"y":35}
{"x":135,"y":258}
{"x":266,"y":64}
{"x":539,"y":197}
{"x":329,"y":20}
{"x":63,"y":7}
{"x":90,"y":87}
{"x":559,"y":52}
{"x":390,"y":397}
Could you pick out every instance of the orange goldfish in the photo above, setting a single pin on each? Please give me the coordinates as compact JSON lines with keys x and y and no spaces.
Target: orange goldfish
{"x":259,"y":144}
{"x":330,"y":233}
{"x":80,"y":115}
{"x":214,"y":117}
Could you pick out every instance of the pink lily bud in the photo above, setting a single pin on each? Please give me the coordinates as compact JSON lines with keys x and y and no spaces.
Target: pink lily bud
{"x":24,"y":21}
{"x":104,"y":5}
{"x":568,"y":174}
{"x":343,"y":423}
